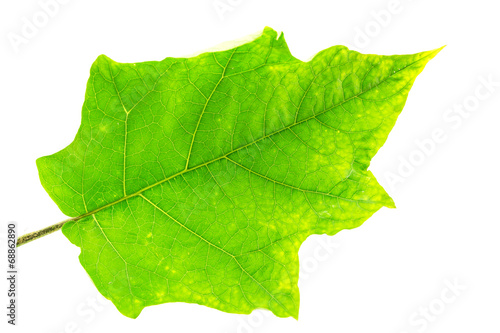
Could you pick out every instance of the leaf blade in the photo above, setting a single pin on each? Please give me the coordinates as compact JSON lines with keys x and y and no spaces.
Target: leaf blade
{"x":246,"y":151}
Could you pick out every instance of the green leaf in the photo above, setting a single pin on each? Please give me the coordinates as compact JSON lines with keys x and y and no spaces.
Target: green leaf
{"x":197,"y":179}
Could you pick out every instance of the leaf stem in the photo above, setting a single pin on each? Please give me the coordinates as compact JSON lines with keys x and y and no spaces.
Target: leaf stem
{"x":43,"y":232}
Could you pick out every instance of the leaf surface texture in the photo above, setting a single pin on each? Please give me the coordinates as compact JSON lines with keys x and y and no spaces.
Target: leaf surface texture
{"x":197,"y":179}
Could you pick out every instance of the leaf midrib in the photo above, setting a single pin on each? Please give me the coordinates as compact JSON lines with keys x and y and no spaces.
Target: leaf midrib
{"x":242,"y":147}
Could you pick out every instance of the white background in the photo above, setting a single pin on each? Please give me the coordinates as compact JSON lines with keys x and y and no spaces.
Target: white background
{"x":372,"y":279}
